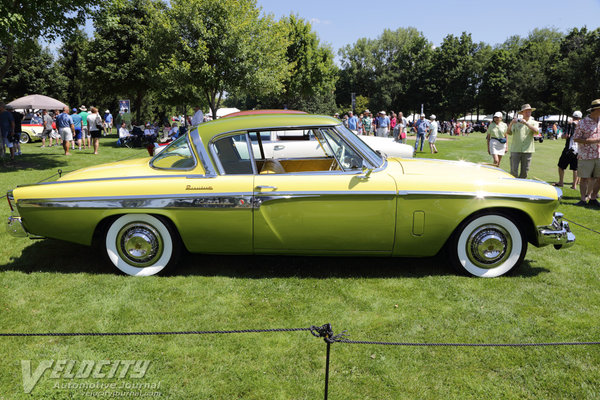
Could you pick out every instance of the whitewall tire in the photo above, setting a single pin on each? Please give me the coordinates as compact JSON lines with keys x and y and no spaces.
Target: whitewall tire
{"x":488,"y":246}
{"x":141,"y":244}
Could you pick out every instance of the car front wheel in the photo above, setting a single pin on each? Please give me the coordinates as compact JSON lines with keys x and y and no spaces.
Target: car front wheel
{"x":24,"y":138}
{"x":141,"y":244}
{"x":488,"y":246}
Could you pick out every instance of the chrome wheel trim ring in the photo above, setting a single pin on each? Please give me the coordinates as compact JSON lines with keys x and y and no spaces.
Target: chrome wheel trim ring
{"x":489,"y":246}
{"x":139,"y":244}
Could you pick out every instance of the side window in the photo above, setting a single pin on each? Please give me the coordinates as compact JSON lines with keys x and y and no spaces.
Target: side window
{"x":233,"y":154}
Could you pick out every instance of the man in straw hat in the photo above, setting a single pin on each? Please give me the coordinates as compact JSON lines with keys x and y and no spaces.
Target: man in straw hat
{"x":587,"y":136}
{"x":522,"y":128}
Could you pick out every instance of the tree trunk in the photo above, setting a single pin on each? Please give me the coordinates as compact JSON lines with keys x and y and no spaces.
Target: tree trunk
{"x":9,"y":59}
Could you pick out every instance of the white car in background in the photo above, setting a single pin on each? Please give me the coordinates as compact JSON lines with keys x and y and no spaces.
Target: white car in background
{"x":296,"y":143}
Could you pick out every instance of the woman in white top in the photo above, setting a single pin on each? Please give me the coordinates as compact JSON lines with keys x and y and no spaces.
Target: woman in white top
{"x":497,"y":139}
{"x":94,"y":122}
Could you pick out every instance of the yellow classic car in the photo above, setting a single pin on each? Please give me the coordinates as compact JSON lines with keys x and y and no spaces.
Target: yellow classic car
{"x":213,"y":191}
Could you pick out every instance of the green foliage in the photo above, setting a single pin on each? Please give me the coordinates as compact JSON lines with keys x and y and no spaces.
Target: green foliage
{"x":216,"y":47}
{"x":25,"y":20}
{"x":390,"y":70}
{"x":119,"y":57}
{"x":578,"y":68}
{"x":32,"y":71}
{"x":74,"y":67}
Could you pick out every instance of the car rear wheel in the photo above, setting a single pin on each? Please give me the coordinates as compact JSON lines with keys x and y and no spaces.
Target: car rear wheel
{"x":488,"y":246}
{"x":24,"y":138}
{"x":141,"y":244}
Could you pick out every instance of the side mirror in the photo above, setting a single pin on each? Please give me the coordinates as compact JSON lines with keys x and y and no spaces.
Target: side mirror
{"x":366,"y":173}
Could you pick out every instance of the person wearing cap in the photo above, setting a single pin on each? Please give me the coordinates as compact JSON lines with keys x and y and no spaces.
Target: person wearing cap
{"x":85,"y":133}
{"x":77,"y":124}
{"x":383,"y":125}
{"x":522,"y":128}
{"x":497,"y":138}
{"x":422,"y":126}
{"x":432,"y":134}
{"x":568,"y":156}
{"x":108,"y":122}
{"x":587,"y":136}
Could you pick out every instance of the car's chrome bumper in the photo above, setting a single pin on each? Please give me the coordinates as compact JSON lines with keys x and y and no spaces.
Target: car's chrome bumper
{"x":15,"y":227}
{"x":558,"y":234}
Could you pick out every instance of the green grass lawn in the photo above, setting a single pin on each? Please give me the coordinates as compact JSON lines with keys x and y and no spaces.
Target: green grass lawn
{"x":48,"y":285}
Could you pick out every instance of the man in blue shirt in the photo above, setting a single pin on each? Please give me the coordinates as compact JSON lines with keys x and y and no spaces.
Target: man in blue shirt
{"x":66,"y":129}
{"x":423,"y":127}
{"x":353,"y":122}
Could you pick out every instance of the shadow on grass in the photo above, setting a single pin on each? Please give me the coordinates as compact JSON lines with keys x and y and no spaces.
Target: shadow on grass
{"x":33,"y":161}
{"x":61,"y":257}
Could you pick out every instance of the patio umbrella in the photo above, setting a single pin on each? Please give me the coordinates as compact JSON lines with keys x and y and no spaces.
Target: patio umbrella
{"x":37,"y":101}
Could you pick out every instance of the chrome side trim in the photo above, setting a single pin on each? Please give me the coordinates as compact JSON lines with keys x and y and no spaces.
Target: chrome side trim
{"x":192,"y":200}
{"x":195,"y":200}
{"x":558,"y":234}
{"x":261,"y":198}
{"x":478,"y":195}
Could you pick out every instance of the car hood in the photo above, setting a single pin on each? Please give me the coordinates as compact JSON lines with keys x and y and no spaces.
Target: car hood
{"x":461,"y":176}
{"x":127,"y":168}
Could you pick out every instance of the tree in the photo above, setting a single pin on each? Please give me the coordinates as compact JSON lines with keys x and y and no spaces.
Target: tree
{"x":453,"y":75}
{"x":32,"y":71}
{"x":390,"y":70}
{"x":493,"y":95}
{"x":73,"y":65}
{"x":217,"y":47}
{"x":529,"y":76}
{"x":119,"y":57}
{"x":21,"y":21}
{"x":578,"y":69}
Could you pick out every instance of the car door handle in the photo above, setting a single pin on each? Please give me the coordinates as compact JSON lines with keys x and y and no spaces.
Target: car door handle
{"x":279,"y":147}
{"x":261,"y":187}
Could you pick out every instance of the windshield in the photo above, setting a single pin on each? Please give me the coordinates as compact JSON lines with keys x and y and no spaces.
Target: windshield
{"x":373,"y":157}
{"x":177,"y":155}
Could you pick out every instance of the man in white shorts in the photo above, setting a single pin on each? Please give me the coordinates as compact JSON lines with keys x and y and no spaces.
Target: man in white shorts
{"x":66,"y":129}
{"x":587,"y":136}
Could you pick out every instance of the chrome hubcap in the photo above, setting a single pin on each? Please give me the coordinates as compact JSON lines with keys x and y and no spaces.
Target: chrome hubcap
{"x":489,"y":246}
{"x":139,"y":244}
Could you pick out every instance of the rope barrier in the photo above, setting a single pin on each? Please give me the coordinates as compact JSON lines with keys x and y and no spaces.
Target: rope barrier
{"x":153,"y":333}
{"x":585,"y":227}
{"x":324,"y":331}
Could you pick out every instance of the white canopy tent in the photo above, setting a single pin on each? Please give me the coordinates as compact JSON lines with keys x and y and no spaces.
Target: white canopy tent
{"x":221,"y":112}
{"x":37,"y":102}
{"x":554,"y":118}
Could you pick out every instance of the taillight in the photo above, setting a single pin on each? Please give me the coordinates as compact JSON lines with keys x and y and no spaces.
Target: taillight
{"x":8,"y":198}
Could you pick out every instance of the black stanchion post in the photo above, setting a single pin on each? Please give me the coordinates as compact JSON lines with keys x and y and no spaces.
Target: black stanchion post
{"x":327,"y":370}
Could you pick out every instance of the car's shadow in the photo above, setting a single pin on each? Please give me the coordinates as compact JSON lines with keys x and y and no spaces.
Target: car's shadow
{"x":56,"y":256}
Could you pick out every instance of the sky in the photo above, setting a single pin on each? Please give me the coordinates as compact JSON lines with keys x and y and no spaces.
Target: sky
{"x":339,"y":23}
